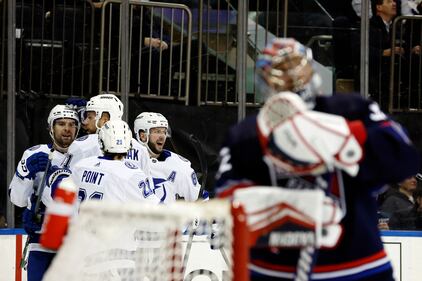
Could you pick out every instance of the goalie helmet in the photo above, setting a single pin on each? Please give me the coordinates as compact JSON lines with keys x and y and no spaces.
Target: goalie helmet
{"x":286,"y":65}
{"x":115,"y":137}
{"x":105,"y":103}
{"x":147,"y":120}
{"x":59,"y":112}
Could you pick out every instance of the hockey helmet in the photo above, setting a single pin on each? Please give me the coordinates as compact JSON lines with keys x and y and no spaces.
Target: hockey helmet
{"x":61,"y":111}
{"x":115,"y":137}
{"x":147,"y":120}
{"x":105,"y":103}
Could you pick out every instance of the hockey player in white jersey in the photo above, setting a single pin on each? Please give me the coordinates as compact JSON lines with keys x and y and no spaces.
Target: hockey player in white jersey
{"x":111,"y":176}
{"x":173,"y":175}
{"x":63,"y":126}
{"x":100,"y":109}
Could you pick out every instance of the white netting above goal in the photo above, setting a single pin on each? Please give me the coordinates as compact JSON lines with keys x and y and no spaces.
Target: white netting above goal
{"x":110,"y":241}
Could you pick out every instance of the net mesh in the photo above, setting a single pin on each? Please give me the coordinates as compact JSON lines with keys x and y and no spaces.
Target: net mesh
{"x":110,"y":241}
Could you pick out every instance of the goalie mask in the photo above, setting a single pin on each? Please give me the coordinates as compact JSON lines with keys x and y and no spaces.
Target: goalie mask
{"x":105,"y":103}
{"x":287,"y":65}
{"x":60,"y":112}
{"x":115,"y":137}
{"x":147,"y":120}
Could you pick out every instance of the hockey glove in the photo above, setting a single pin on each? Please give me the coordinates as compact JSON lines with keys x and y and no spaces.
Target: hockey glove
{"x":35,"y":163}
{"x":55,"y":175}
{"x":77,"y":104}
{"x":304,"y":142}
{"x":31,"y":223}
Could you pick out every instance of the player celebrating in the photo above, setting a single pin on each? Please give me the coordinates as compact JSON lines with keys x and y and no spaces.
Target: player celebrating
{"x":112,"y":177}
{"x":287,"y":145}
{"x":100,"y":109}
{"x":172,"y":173}
{"x":63,"y":127}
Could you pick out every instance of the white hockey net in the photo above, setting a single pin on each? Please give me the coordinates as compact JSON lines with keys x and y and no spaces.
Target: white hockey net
{"x":144,"y":243}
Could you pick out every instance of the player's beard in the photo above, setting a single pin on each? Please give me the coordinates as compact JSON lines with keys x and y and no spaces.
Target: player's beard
{"x":154,"y":149}
{"x":63,"y":142}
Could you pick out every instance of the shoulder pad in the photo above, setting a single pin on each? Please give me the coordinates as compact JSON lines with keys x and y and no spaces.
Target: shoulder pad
{"x":35,"y":147}
{"x":165,"y":154}
{"x":82,"y":138}
{"x":182,"y":158}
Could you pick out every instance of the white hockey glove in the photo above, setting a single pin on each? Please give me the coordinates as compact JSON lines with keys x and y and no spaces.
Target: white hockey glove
{"x":304,"y":142}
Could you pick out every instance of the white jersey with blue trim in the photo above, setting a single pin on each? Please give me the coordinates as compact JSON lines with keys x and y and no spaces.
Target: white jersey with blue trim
{"x":21,"y":188}
{"x":112,"y":180}
{"x":89,"y":145}
{"x":173,"y":175}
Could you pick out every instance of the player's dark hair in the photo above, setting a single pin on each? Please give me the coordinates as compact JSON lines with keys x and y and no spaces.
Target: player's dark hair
{"x":113,"y":155}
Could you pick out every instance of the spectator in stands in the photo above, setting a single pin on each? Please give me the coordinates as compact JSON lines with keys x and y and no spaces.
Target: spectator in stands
{"x":408,"y":219}
{"x":400,"y":197}
{"x":380,"y":51}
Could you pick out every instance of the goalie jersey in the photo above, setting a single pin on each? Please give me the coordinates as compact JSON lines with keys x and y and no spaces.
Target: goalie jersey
{"x":88,"y":146}
{"x":174,"y":177}
{"x":389,"y":157}
{"x":101,"y":178}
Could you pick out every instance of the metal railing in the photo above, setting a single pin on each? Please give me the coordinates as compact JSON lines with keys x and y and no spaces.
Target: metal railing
{"x":219,"y":40}
{"x":153,"y":72}
{"x":54,"y":47}
{"x":405,"y":85}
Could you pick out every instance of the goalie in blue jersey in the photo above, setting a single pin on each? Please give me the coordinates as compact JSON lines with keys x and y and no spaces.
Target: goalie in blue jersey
{"x":343,"y":145}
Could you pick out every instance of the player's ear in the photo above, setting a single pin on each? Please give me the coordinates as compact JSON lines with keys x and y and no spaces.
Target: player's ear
{"x":105,"y":116}
{"x":142,"y":136}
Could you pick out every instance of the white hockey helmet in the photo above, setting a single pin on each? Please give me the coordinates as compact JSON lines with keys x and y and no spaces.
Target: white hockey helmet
{"x":105,"y":103}
{"x":115,"y":137}
{"x":147,"y":120}
{"x":61,"y":111}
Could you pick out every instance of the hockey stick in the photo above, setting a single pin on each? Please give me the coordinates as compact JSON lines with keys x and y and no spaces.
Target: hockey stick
{"x":40,"y":190}
{"x":308,"y":255}
{"x":202,"y":162}
{"x":204,"y":169}
{"x":38,"y":196}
